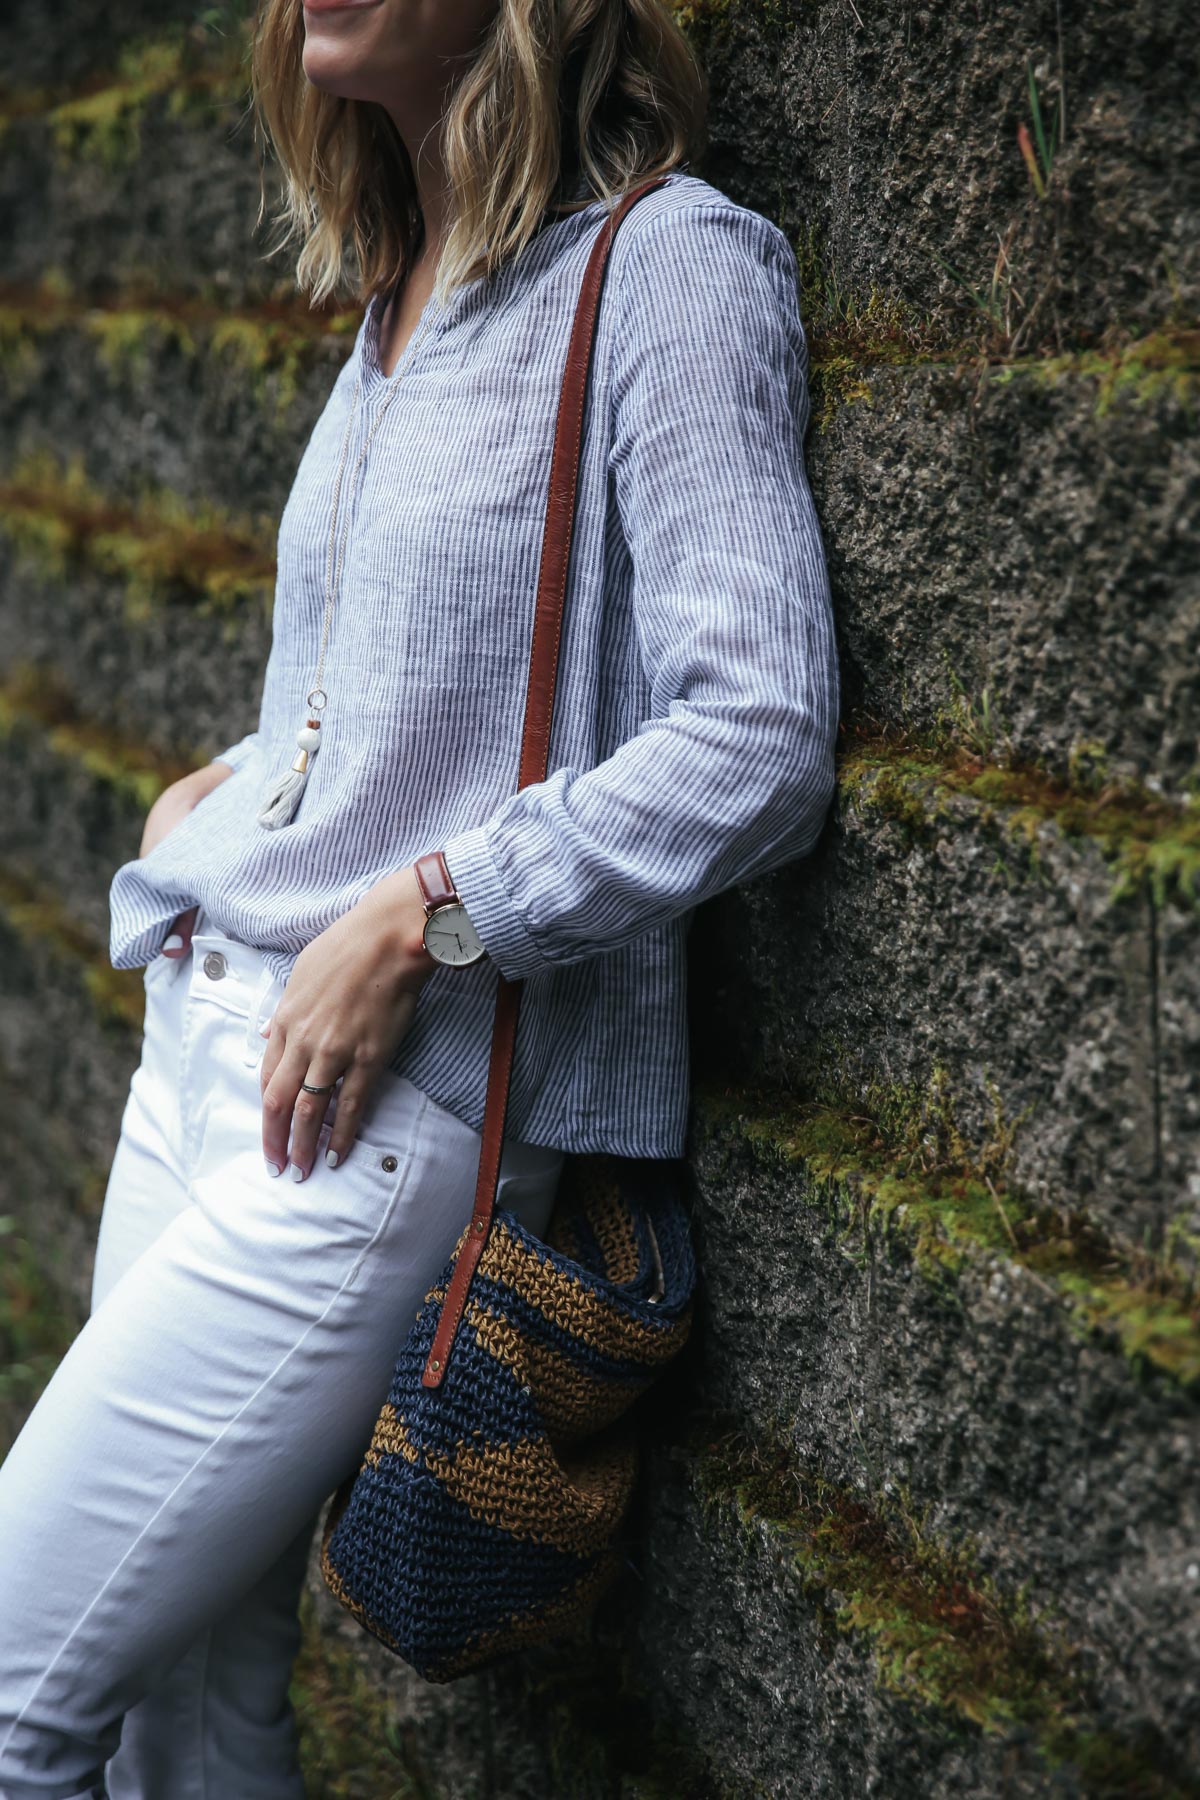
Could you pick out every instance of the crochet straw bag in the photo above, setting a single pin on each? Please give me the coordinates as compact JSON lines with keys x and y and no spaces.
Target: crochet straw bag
{"x":486,"y":1513}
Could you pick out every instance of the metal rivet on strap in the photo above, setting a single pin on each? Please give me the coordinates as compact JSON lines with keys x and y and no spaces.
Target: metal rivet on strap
{"x":214,"y":965}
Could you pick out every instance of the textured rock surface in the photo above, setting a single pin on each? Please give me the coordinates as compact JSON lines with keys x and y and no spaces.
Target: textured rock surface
{"x":957,"y":949}
{"x":1015,"y":529}
{"x":920,"y":1513}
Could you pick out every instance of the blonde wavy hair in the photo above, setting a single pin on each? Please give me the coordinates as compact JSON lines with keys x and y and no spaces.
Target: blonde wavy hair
{"x":567,"y":102}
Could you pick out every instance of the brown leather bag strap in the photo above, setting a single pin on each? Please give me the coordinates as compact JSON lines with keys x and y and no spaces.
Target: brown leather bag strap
{"x":535,"y":749}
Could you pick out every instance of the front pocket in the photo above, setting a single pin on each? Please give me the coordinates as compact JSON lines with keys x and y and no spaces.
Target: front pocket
{"x":386,"y":1127}
{"x":159,"y":964}
{"x":355,"y":1199}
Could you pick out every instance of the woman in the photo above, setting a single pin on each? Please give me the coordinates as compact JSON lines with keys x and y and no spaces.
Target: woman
{"x":157,"y":1511}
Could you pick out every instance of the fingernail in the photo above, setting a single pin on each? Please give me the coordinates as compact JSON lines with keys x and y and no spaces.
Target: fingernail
{"x":297,"y":1172}
{"x":174,"y":942}
{"x":273,"y":1168}
{"x":331,"y":1158}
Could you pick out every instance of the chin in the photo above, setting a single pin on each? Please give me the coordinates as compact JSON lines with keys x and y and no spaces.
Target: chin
{"x":333,"y":69}
{"x":340,"y":59}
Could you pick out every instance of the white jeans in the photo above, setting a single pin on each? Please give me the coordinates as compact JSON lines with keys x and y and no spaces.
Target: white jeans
{"x":157,"y":1510}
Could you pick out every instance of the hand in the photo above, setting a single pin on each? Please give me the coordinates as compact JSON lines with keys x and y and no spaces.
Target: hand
{"x":349,"y":1000}
{"x":173,"y":804}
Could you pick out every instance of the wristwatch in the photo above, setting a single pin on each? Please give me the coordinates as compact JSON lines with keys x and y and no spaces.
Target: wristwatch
{"x":449,"y":935}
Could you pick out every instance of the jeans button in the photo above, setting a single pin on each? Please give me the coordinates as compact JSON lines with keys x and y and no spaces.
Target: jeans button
{"x":214,"y":965}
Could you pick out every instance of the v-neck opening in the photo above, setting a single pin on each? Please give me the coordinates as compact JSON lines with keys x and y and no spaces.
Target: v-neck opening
{"x":435,"y":318}
{"x":427,"y":329}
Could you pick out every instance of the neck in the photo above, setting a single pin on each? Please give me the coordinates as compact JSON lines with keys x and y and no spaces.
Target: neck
{"x":420,"y":127}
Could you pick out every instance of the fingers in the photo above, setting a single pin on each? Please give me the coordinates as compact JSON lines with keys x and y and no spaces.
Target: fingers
{"x":276,"y":1111}
{"x":291,"y":1113}
{"x":291,"y":1118}
{"x":179,"y":940}
{"x":348,"y":1113}
{"x":280,"y":1077}
{"x":308,"y":1115}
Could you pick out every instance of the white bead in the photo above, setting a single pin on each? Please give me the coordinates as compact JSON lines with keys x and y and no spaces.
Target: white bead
{"x":307,"y":738}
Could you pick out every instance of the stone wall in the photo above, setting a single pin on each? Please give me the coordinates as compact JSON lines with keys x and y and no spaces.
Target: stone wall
{"x":920,"y":1509}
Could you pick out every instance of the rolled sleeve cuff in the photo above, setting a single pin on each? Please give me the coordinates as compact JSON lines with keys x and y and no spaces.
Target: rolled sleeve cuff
{"x":474,"y":873}
{"x":238,"y":753}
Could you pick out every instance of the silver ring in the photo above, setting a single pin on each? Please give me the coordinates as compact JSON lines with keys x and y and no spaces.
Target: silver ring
{"x":310,"y":1089}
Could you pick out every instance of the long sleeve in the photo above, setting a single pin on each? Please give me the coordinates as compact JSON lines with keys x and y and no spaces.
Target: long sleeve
{"x":240,"y":752}
{"x":732,"y":773}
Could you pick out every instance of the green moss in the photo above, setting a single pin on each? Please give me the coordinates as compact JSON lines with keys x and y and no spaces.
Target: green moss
{"x":261,"y":348}
{"x":912,"y":777}
{"x":1163,"y":364}
{"x":124,"y":337}
{"x":711,"y":25}
{"x":38,"y":917}
{"x":850,"y":333}
{"x":889,"y":1159}
{"x":945,"y":1637}
{"x":350,"y":1748}
{"x":34,"y":699}
{"x":851,"y":337}
{"x":158,"y":546}
{"x":190,"y":70}
{"x":689,"y":13}
{"x":271,"y":343}
{"x":274,"y":337}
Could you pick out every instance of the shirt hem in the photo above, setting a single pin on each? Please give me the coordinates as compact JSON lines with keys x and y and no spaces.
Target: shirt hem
{"x":592,"y":1142}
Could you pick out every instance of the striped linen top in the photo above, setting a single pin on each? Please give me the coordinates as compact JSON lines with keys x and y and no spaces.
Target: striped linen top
{"x":696,"y":713}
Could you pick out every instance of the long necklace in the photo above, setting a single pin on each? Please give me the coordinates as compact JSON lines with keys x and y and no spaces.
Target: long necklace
{"x":282,"y":794}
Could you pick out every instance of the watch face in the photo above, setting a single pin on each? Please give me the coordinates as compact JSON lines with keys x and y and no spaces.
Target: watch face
{"x":451,"y":938}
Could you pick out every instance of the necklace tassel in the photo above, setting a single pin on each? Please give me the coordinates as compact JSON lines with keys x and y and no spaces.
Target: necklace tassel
{"x":282,"y":795}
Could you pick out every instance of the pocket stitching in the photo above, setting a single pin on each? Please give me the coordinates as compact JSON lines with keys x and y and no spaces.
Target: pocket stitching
{"x":403,"y":1150}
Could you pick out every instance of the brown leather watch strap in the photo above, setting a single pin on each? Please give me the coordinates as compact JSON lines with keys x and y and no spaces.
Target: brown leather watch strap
{"x":434,"y":880}
{"x":535,"y":750}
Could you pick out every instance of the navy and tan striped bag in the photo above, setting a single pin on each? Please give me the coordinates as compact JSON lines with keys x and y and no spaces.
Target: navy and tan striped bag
{"x":486,"y":1514}
{"x":488,"y":1509}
